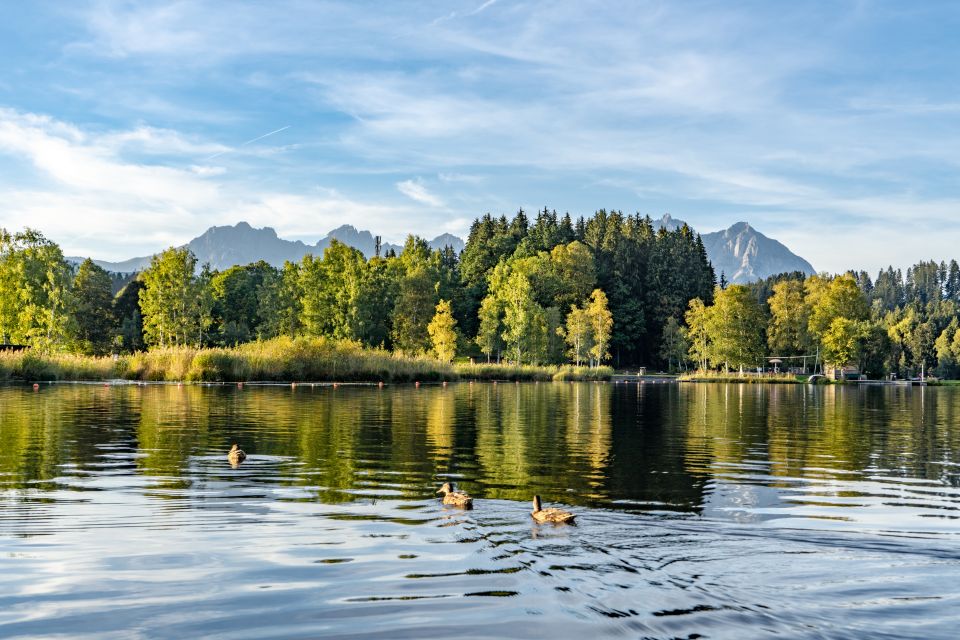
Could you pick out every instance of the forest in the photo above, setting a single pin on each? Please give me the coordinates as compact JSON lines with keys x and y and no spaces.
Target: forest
{"x":588,"y":292}
{"x":605,"y":289}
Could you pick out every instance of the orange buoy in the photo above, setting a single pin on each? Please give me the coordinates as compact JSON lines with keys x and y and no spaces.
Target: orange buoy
{"x":417,"y":384}
{"x":335,"y":385}
{"x":380,"y":385}
{"x":293,"y":385}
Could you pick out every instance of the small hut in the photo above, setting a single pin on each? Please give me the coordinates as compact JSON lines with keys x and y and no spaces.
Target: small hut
{"x":843,"y":373}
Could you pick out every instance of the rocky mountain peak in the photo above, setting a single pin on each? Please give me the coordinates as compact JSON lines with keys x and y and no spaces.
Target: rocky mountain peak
{"x":743,"y":254}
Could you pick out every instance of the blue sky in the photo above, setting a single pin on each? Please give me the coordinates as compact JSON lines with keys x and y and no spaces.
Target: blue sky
{"x":130,"y":126}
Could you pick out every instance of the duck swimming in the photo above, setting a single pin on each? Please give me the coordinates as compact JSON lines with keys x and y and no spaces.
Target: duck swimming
{"x":455,"y":498}
{"x":556,"y":516}
{"x":236,"y":455}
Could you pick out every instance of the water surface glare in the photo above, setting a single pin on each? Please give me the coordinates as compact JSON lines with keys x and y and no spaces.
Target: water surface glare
{"x":720,"y":511}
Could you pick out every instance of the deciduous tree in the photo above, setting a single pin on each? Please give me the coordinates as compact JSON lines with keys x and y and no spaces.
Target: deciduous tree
{"x":787,"y":333}
{"x":168,"y":300}
{"x":735,"y":326}
{"x":443,"y":332}
{"x":673,"y":344}
{"x":601,"y":326}
{"x":696,"y":319}
{"x":578,"y":335}
{"x":93,"y":320}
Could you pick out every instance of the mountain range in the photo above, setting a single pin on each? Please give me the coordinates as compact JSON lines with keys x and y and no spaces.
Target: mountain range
{"x":226,"y":246}
{"x":741,"y":253}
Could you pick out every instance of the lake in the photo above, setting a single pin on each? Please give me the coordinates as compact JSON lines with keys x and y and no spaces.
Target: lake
{"x":720,"y":511}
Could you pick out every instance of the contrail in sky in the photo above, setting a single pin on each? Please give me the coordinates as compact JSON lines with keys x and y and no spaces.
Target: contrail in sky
{"x":266,"y":135}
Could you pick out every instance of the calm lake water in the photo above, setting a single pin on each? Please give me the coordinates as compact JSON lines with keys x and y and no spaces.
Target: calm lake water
{"x":719,"y":511}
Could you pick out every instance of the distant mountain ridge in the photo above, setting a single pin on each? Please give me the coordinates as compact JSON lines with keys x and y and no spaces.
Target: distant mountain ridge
{"x":226,"y":246}
{"x":743,"y":254}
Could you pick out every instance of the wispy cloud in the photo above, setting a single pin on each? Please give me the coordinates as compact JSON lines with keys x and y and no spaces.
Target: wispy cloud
{"x":415,"y":190}
{"x":456,"y":14}
{"x":206,"y":170}
{"x":74,"y":159}
{"x":715,"y":112}
{"x":151,"y":140}
{"x":92,"y":195}
{"x":483,"y":7}
{"x":460,"y":177}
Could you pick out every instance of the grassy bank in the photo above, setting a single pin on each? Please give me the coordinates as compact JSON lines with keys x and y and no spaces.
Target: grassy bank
{"x":278,"y":360}
{"x":715,"y":376}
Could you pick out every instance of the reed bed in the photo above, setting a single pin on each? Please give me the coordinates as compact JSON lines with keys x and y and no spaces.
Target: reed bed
{"x":286,"y":360}
{"x":277,"y":360}
{"x":746,"y":378}
{"x":27,"y":365}
{"x":510,"y":372}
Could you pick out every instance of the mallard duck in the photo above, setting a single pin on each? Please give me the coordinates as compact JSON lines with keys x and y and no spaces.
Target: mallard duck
{"x":456,"y":498}
{"x":556,"y":516}
{"x":236,"y":455}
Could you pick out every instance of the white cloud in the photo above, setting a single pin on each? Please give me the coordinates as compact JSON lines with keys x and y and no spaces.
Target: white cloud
{"x":309,"y":216}
{"x":483,"y":7}
{"x":415,"y":190}
{"x":201,"y":33}
{"x":93,"y":200}
{"x":460,"y":177}
{"x":457,"y":226}
{"x":699,"y":111}
{"x":205,"y":170}
{"x":76,"y":160}
{"x":152,"y":140}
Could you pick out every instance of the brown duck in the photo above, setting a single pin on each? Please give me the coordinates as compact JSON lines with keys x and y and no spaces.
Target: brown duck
{"x":236,"y":455}
{"x":455,"y":498}
{"x":556,"y":516}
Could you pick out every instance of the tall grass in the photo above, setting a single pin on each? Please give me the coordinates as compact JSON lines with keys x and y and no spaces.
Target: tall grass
{"x":277,"y":360}
{"x":26,"y":365}
{"x":718,"y":376}
{"x":284,"y":360}
{"x":511,"y":372}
